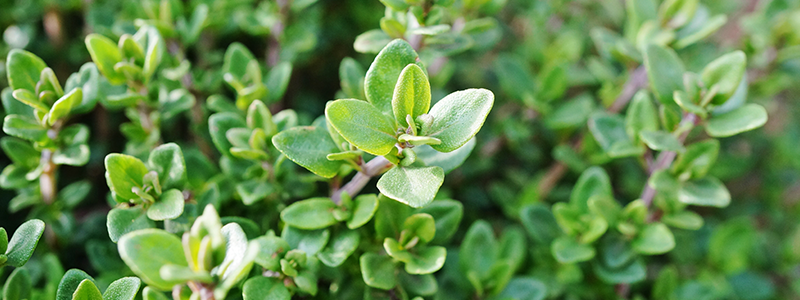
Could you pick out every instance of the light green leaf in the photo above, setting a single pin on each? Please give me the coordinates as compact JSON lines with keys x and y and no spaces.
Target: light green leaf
{"x":592,"y":182}
{"x":310,"y":214}
{"x":309,"y":241}
{"x":458,"y":117}
{"x":686,"y":219}
{"x":168,"y":206}
{"x":383,"y":73}
{"x":105,"y":54}
{"x":654,"y":239}
{"x":20,"y":152}
{"x":632,"y":272}
{"x":120,"y":221}
{"x":414,"y":186}
{"x":725,"y":73}
{"x":524,"y":288}
{"x":745,"y":118}
{"x":665,"y":72}
{"x":167,"y":160}
{"x":24,"y":128}
{"x":124,"y":288}
{"x":426,"y":260}
{"x":661,"y":140}
{"x":149,"y":293}
{"x":447,"y":215}
{"x":707,"y":191}
{"x":30,"y":99}
{"x":566,"y":250}
{"x":419,"y":225}
{"x":236,"y":61}
{"x":87,"y":291}
{"x":63,"y":106}
{"x":697,"y":159}
{"x":412,"y":95}
{"x":23,"y":69}
{"x":362,"y":124}
{"x":364,"y":207}
{"x":448,"y":161}
{"x":277,"y":80}
{"x":146,"y":251}
{"x":23,"y":242}
{"x":610,"y":132}
{"x":351,"y":77}
{"x":259,"y":116}
{"x":309,"y":147}
{"x":124,"y":172}
{"x":378,"y":271}
{"x":371,"y":41}
{"x":218,"y":126}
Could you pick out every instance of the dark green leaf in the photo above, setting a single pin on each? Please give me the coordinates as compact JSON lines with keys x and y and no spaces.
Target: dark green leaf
{"x":69,"y":283}
{"x":447,"y":216}
{"x":218,"y":126}
{"x":378,"y":271}
{"x":351,"y":77}
{"x":364,"y":207}
{"x":340,"y":248}
{"x":18,"y":285}
{"x":263,"y":288}
{"x":309,"y":241}
{"x":567,"y":249}
{"x":660,"y":140}
{"x":120,"y":221}
{"x":478,"y":250}
{"x":594,"y":181}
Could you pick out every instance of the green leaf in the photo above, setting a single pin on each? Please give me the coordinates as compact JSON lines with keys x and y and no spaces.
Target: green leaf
{"x":383,"y":73}
{"x":309,"y":147}
{"x":351,"y":77}
{"x":341,"y":247}
{"x":610,"y":133}
{"x":593,"y":182}
{"x":362,"y":125}
{"x":661,"y":140}
{"x":630,"y":273}
{"x":458,"y":117}
{"x":424,"y":285}
{"x":3,"y":241}
{"x":745,"y":118}
{"x":87,"y":291}
{"x":523,"y":288}
{"x":725,"y":74}
{"x":105,"y":54}
{"x":24,"y":128}
{"x":641,"y":115}
{"x":364,"y":207}
{"x":23,"y":242}
{"x":236,"y":61}
{"x":123,"y":173}
{"x":155,"y":51}
{"x":426,"y":260}
{"x":540,"y":223}
{"x":23,"y":69}
{"x":259,"y":116}
{"x":218,"y":126}
{"x":124,"y":220}
{"x":149,"y":293}
{"x":697,"y":159}
{"x":478,"y":250}
{"x":566,"y":250}
{"x":271,"y":251}
{"x":184,"y":274}
{"x":167,"y":160}
{"x":447,"y":215}
{"x":264,"y":288}
{"x":654,"y":239}
{"x":310,"y":214}
{"x":122,"y":289}
{"x":64,"y":106}
{"x":371,"y":41}
{"x":412,"y":95}
{"x":168,"y":206}
{"x":688,"y":220}
{"x":665,"y":72}
{"x":18,"y":285}
{"x":146,"y":251}
{"x":277,"y":80}
{"x":309,"y":241}
{"x":413,"y":186}
{"x":707,"y":191}
{"x":70,"y":282}
{"x":419,"y":225}
{"x":20,"y":152}
{"x":30,"y":99}
{"x":239,"y":256}
{"x":378,"y":271}
{"x":87,"y":80}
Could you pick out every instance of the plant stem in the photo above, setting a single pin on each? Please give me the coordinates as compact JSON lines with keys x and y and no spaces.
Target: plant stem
{"x":47,"y":181}
{"x":637,"y":80}
{"x":665,"y":158}
{"x":374,"y":167}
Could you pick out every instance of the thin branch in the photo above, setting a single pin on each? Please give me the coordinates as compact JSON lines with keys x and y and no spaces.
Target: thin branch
{"x":373,"y":168}
{"x":636,"y":81}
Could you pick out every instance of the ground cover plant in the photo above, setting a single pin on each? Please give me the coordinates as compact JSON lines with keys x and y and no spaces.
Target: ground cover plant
{"x":400,"y":149}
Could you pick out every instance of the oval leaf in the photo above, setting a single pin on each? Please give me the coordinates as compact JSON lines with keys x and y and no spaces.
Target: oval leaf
{"x":412,"y":95}
{"x":458,"y":117}
{"x":414,"y":186}
{"x":745,"y":118}
{"x":124,"y":172}
{"x":384,"y":72}
{"x":308,"y":146}
{"x":137,"y":249}
{"x":363,"y":125}
{"x":23,"y":242}
{"x":310,"y":214}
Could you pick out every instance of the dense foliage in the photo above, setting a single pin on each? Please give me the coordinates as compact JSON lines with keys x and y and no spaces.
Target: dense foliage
{"x":475,"y":149}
